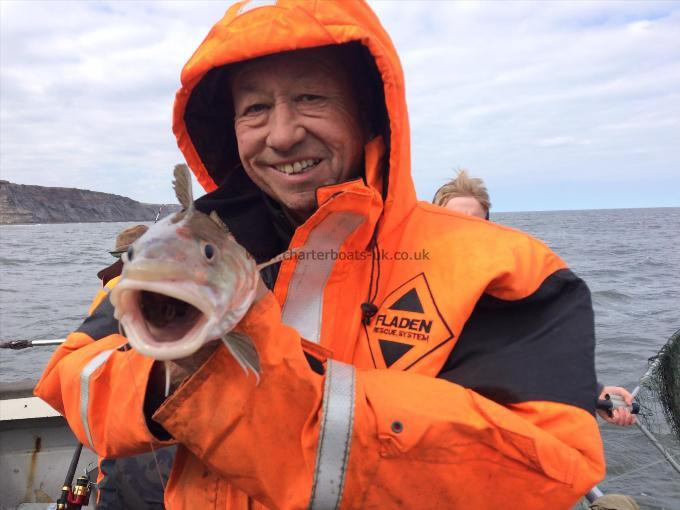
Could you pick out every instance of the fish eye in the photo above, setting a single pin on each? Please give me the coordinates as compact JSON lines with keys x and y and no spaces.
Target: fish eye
{"x":130,"y":252}
{"x":209,"y":251}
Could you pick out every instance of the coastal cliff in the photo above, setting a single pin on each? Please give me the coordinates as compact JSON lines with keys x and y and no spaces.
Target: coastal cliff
{"x":21,"y":203}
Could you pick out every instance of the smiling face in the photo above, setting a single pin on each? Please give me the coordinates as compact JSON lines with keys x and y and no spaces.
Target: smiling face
{"x":297,"y":125}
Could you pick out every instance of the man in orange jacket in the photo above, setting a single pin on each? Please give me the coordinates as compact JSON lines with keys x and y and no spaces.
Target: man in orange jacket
{"x":421,"y":358}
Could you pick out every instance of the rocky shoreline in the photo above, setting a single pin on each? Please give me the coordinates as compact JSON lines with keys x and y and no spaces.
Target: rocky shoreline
{"x":22,"y":204}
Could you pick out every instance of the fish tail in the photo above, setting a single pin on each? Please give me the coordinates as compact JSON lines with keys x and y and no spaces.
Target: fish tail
{"x":242,"y":348}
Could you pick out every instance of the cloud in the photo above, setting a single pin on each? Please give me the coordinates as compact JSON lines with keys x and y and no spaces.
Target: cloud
{"x":87,"y":102}
{"x":537,"y":92}
{"x":528,"y":93}
{"x":561,"y":141}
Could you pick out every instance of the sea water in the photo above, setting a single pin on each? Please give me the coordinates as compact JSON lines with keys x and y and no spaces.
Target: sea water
{"x":630,"y":259}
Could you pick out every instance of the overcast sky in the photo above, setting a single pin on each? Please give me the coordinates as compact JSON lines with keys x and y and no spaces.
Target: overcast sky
{"x":557,"y":105}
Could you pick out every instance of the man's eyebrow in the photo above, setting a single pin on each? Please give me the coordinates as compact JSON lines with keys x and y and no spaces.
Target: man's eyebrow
{"x":304,"y":77}
{"x":246,"y":86}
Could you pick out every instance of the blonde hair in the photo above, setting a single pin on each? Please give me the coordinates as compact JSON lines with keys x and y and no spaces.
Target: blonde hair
{"x":463,"y":186}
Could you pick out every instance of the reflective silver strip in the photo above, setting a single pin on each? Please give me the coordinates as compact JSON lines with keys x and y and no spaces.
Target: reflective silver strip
{"x":304,"y":301}
{"x":249,"y":5}
{"x":335,"y":436}
{"x":85,"y":375}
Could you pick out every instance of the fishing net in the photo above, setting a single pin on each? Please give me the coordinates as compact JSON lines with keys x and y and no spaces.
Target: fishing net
{"x":629,"y":456}
{"x":659,"y":393}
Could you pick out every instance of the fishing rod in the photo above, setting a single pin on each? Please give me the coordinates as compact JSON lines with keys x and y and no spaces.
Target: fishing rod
{"x":73,"y":497}
{"x":23,"y":344}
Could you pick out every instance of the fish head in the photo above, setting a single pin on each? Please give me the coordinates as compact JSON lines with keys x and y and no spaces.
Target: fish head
{"x":185,"y":282}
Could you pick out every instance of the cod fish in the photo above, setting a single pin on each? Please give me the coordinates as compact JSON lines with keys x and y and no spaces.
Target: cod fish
{"x":186,"y":282}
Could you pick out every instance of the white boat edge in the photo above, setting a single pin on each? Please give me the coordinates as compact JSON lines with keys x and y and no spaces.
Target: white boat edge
{"x":36,"y":447}
{"x":25,"y":408}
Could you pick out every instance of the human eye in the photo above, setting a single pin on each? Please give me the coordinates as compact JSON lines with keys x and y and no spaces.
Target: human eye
{"x":309,"y":99}
{"x":253,"y":109}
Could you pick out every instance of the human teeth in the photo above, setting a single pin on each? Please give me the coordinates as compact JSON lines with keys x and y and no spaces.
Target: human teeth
{"x":297,"y":167}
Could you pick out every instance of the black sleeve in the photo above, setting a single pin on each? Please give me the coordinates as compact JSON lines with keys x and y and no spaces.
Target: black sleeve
{"x":101,"y":322}
{"x":541,"y":347}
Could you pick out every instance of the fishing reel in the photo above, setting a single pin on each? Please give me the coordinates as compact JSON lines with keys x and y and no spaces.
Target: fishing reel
{"x":77,"y":496}
{"x":74,"y":497}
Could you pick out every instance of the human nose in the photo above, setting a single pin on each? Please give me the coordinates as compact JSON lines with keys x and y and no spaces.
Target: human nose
{"x":285,"y":129}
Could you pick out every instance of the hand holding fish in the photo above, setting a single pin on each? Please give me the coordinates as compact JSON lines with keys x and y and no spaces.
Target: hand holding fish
{"x":187,"y":282}
{"x":178,"y":370}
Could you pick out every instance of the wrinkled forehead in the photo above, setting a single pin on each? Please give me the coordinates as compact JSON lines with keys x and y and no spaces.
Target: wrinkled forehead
{"x":327,"y":66}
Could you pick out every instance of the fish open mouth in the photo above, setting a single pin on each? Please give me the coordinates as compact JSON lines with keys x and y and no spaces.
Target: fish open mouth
{"x":167,"y":318}
{"x":162,"y":320}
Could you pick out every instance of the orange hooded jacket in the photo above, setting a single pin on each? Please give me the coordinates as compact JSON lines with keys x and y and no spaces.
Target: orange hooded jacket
{"x":472,"y":385}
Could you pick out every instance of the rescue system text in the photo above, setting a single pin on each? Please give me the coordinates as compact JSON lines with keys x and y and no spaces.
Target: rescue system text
{"x":417,"y":329}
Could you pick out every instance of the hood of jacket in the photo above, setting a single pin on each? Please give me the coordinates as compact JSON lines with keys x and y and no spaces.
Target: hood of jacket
{"x":203,"y":112}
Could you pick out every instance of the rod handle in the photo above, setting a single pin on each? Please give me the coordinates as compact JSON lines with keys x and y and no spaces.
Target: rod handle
{"x":23,"y":344}
{"x":15,"y":344}
{"x":611,"y":402}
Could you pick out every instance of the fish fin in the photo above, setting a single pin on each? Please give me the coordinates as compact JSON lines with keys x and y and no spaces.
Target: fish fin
{"x":242,"y":348}
{"x":281,"y":256}
{"x":182,"y":185}
{"x":216,"y":218}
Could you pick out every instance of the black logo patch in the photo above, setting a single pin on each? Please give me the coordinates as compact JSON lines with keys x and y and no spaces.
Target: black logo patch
{"x":409,"y":302}
{"x":392,"y":351}
{"x":407,"y":326}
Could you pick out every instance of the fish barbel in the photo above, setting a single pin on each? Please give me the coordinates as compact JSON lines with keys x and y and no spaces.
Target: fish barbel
{"x":185,"y":282}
